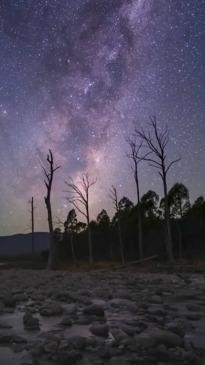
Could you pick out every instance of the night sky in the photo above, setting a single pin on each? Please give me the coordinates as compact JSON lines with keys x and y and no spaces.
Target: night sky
{"x":76,"y":76}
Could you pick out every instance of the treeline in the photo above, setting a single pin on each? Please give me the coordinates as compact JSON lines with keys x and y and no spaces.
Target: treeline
{"x":187,"y":226}
{"x":169,"y":227}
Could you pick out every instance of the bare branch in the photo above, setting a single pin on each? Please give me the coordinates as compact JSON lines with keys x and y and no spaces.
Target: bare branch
{"x":172,"y":163}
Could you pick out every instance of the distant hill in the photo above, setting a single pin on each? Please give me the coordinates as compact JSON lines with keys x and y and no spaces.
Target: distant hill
{"x":20,"y":244}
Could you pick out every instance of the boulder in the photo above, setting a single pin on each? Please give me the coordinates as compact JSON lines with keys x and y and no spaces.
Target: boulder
{"x":101,"y":330}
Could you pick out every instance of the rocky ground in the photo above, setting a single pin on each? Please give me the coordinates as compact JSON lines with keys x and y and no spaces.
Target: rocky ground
{"x":114,"y":318}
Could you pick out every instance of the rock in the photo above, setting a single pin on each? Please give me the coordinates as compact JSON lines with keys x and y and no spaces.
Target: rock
{"x":118,"y":334}
{"x":30,"y":322}
{"x":104,"y":352}
{"x":123,"y":303}
{"x":82,"y":320}
{"x":130,"y":331}
{"x":68,"y":357}
{"x":101,"y":330}
{"x":77,"y":342}
{"x":4,"y":325}
{"x":5,"y":338}
{"x":51,"y":309}
{"x":71,"y":309}
{"x":155,"y":336}
{"x":156,"y":310}
{"x":194,"y":316}
{"x":9,"y":301}
{"x":20,"y":297}
{"x":51,"y":347}
{"x":94,"y":309}
{"x":66,"y":321}
{"x":118,"y":361}
{"x":179,"y":327}
{"x":156,"y":299}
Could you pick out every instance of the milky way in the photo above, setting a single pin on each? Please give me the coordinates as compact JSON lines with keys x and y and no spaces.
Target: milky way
{"x":76,"y":76}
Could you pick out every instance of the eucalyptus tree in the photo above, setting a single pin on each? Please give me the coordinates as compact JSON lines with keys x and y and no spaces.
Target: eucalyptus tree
{"x":134,"y":155}
{"x":70,"y":228}
{"x":79,"y":195}
{"x":178,"y":199}
{"x":156,"y":141}
{"x":115,"y":200}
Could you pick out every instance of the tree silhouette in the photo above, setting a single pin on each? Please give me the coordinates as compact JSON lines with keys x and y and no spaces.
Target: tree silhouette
{"x":105,"y":229}
{"x":70,"y":228}
{"x":79,"y":198}
{"x":114,"y":197}
{"x":125,"y":203}
{"x":178,"y":198}
{"x":103,"y":218}
{"x":156,"y":142}
{"x":49,"y":174}
{"x":136,"y":159}
{"x":149,"y":202}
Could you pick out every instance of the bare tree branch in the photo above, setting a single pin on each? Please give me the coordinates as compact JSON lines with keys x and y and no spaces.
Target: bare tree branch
{"x":49,"y":173}
{"x":156,"y":144}
{"x":80,"y":196}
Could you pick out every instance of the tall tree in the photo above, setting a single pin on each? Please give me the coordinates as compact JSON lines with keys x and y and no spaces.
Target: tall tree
{"x":104,"y":228}
{"x":70,"y":228}
{"x":156,"y":142}
{"x":134,"y":155}
{"x":178,"y":198}
{"x":79,"y":198}
{"x":114,"y":197}
{"x":49,"y":174}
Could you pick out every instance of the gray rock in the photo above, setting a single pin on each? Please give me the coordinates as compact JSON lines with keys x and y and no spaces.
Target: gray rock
{"x":77,"y":342}
{"x":156,"y":299}
{"x":4,"y":325}
{"x":101,"y":330}
{"x":9,"y":301}
{"x":30,"y":322}
{"x":51,"y":309}
{"x":68,"y":357}
{"x":94,"y":309}
{"x":155,"y":336}
{"x":66,"y":321}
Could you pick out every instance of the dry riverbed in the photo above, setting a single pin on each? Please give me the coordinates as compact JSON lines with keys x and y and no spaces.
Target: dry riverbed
{"x":114,"y":318}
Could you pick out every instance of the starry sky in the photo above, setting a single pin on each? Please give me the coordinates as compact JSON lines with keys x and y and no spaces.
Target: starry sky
{"x":77,"y":76}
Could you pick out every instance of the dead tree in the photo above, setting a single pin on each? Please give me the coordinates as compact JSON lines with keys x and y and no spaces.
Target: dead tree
{"x":49,"y":174}
{"x":114,"y":197}
{"x":79,"y":198}
{"x":134,"y":155}
{"x":156,"y":144}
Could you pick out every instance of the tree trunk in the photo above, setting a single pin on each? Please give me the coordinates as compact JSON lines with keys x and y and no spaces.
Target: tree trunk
{"x":72,"y":248}
{"x":179,"y":239}
{"x":121,"y":242}
{"x":52,"y":244}
{"x":32,"y":226}
{"x":111,"y":251}
{"x":169,"y":245}
{"x":139,"y":216}
{"x":180,"y":231}
{"x":90,"y":245}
